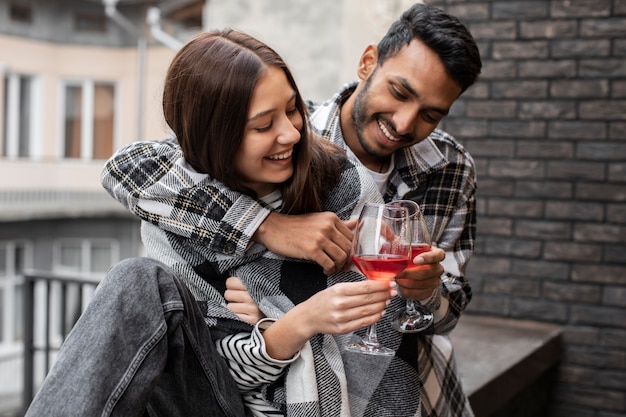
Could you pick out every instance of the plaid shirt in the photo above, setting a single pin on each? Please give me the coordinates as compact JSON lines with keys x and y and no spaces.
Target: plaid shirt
{"x":151,"y":180}
{"x":438,"y":174}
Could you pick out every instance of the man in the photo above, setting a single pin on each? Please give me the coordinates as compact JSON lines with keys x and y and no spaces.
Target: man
{"x":387,"y":122}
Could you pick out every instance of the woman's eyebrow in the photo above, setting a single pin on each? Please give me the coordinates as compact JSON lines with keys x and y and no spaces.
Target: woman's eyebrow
{"x":264,"y":112}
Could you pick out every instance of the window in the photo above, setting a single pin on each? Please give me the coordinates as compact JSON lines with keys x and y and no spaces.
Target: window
{"x":21,"y":13}
{"x":90,"y":23}
{"x":19,"y":115}
{"x":89,"y":120}
{"x":14,"y":258}
{"x":84,"y":257}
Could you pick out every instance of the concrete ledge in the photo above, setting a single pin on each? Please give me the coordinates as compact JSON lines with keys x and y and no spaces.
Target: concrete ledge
{"x":500,"y":360}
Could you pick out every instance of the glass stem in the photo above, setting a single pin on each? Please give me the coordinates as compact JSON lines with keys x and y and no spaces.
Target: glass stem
{"x":372,"y":337}
{"x":410,"y":307}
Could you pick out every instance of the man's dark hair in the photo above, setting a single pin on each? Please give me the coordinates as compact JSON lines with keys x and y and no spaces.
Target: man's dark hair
{"x":441,"y":32}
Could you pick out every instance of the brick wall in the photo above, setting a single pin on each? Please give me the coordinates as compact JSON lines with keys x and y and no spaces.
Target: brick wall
{"x":546,"y":125}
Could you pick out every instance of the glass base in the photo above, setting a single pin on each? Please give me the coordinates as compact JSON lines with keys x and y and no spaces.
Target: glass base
{"x":412,"y":323}
{"x":369,"y":349}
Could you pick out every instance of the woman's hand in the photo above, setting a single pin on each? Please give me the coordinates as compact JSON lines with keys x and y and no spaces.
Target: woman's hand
{"x":240,"y":302}
{"x":339,"y":309}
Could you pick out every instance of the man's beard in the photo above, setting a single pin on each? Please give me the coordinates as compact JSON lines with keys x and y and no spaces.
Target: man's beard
{"x":360,"y":119}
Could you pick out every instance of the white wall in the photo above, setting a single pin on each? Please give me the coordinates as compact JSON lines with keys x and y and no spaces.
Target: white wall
{"x":321,"y":40}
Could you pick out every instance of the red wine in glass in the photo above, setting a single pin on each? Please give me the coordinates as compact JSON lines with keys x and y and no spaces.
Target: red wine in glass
{"x":381,"y":267}
{"x":380,"y":249}
{"x":414,"y":317}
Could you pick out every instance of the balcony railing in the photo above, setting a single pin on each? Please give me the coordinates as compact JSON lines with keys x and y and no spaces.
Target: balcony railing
{"x":52,"y":305}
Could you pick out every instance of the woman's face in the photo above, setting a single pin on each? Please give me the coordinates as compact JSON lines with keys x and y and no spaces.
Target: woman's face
{"x":264,"y":158}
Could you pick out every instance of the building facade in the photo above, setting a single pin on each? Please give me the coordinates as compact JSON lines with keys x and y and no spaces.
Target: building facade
{"x":78,"y":79}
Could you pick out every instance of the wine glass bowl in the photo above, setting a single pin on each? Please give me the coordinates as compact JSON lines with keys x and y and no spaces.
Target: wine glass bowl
{"x":381,"y":250}
{"x":414,"y":317}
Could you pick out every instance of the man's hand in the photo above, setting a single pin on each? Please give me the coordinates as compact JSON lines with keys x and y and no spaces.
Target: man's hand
{"x":240,"y":302}
{"x":319,"y":237}
{"x":424,"y":277}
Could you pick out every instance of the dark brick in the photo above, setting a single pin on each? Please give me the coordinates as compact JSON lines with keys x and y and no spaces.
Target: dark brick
{"x":540,"y":229}
{"x":555,"y":68}
{"x":519,"y":10}
{"x":543,"y":149}
{"x":469,"y":12}
{"x":579,"y":293}
{"x":618,"y":89}
{"x":493,"y":187}
{"x":600,"y":232}
{"x":568,"y":251}
{"x":517,"y":129}
{"x":576,"y":130}
{"x":580,"y":89}
{"x":616,"y":213}
{"x":519,"y":89}
{"x":494,"y":70}
{"x":602,"y":68}
{"x":497,"y":148}
{"x":541,"y":269}
{"x":580,"y":8}
{"x":581,"y":335}
{"x":619,"y":47}
{"x":613,"y":27}
{"x":536,"y":309}
{"x":580,"y":48}
{"x":515,"y":208}
{"x":614,"y":338}
{"x":599,"y":316}
{"x":512,"y":247}
{"x":574,"y":210}
{"x":617,"y":130}
{"x":492,"y":109}
{"x":490,"y":265}
{"x":615,"y":254}
{"x":605,"y":151}
{"x":520,"y":50}
{"x":548,"y":29}
{"x":591,"y":377}
{"x":478,"y":90}
{"x":548,"y":110}
{"x":607,"y":274}
{"x":596,"y":355}
{"x":603,"y":109}
{"x":489,"y":304}
{"x":601,"y":192}
{"x":495,"y":226}
{"x":615,"y":296}
{"x":544,"y":189}
{"x":493,"y":30}
{"x":617,"y":172}
{"x":466,"y":128}
{"x":521,"y":288}
{"x":575,"y":170}
{"x":590,"y":398}
{"x":517,"y":169}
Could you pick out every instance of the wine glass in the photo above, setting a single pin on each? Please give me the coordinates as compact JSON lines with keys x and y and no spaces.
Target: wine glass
{"x":380,"y":249}
{"x":414,"y":317}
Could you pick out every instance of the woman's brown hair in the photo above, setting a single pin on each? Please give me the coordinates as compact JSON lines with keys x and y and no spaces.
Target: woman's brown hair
{"x":206,"y":97}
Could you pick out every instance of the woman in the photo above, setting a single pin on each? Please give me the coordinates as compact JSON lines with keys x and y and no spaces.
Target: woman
{"x":248,"y":131}
{"x":146,"y":343}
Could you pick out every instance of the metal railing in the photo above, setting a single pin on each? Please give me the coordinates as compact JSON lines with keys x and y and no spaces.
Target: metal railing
{"x":52,"y":305}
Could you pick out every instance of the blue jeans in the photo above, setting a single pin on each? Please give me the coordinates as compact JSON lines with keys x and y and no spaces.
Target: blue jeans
{"x":140,"y":348}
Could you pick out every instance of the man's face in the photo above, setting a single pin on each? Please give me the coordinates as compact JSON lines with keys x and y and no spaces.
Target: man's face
{"x":399,"y":103}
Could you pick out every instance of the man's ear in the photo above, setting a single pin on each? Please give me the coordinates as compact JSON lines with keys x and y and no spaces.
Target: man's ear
{"x":368,"y":62}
